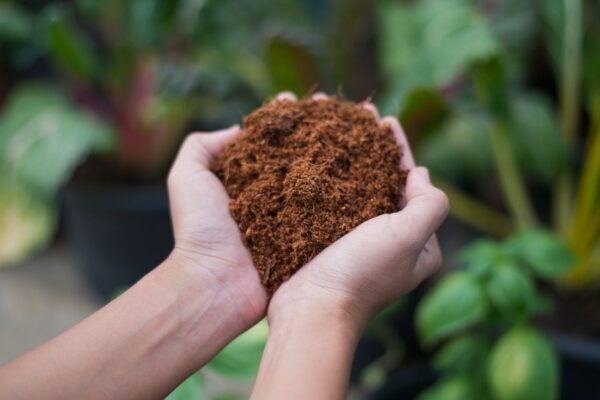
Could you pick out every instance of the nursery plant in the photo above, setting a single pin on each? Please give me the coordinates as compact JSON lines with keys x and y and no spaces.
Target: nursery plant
{"x":501,"y":98}
{"x":483,"y":313}
{"x":138,"y":75}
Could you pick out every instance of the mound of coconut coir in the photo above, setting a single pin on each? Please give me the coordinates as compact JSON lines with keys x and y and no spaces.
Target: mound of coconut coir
{"x":302,"y":174}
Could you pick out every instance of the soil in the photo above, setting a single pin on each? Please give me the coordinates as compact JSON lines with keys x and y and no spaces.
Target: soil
{"x":302,"y":174}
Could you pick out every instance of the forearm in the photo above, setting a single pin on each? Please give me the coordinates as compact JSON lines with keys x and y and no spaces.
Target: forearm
{"x":141,"y":345}
{"x":308,"y":356}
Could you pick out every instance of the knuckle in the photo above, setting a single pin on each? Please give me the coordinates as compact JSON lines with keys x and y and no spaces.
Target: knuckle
{"x":440,"y":200}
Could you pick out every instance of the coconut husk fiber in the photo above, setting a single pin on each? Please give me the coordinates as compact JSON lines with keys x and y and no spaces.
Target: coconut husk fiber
{"x":304,"y":173}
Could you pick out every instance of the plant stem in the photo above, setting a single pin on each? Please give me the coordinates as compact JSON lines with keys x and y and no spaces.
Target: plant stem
{"x":475,"y":213}
{"x":584,"y":233}
{"x":510,"y":179}
{"x":569,"y":104}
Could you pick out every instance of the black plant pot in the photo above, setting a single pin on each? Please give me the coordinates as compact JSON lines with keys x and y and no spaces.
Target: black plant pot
{"x":406,"y":383}
{"x":580,"y":366}
{"x":119,"y":233}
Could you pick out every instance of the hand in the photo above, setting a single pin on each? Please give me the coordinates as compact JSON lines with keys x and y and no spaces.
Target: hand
{"x":380,"y":260}
{"x":207,"y":239}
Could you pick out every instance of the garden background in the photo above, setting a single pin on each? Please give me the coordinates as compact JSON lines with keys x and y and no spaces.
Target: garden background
{"x":499,"y":98}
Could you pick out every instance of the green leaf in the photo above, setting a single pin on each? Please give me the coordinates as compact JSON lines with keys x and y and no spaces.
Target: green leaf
{"x":241,"y":358}
{"x":67,"y":45}
{"x":535,"y":132}
{"x":15,"y":23}
{"x":424,"y":111}
{"x":482,"y":256}
{"x":190,"y":389}
{"x":452,"y":388}
{"x":543,"y":251}
{"x":26,"y":223}
{"x":292,"y":66}
{"x":461,"y":150}
{"x":490,"y":80}
{"x":553,"y":21}
{"x":43,"y":138}
{"x":456,"y":303}
{"x":523,"y":366}
{"x":429,"y":44}
{"x":373,"y":376}
{"x":463,"y":354}
{"x":511,"y":292}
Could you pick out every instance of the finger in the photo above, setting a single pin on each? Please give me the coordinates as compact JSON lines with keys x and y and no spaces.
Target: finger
{"x":408,"y":161}
{"x":286,"y":96}
{"x":372,"y":108}
{"x":198,"y":149}
{"x":430,"y":259}
{"x":425,"y":210}
{"x":319,"y":96}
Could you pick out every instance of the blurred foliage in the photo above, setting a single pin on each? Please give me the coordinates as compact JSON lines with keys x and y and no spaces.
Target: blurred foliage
{"x":238,"y":361}
{"x":42,"y":139}
{"x":495,"y":293}
{"x":492,"y":91}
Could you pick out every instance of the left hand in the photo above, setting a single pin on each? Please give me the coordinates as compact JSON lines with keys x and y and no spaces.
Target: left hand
{"x":207,"y":239}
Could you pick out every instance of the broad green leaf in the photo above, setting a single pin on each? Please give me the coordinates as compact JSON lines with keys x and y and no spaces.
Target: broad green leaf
{"x":464,"y":353}
{"x":523,"y":366}
{"x":537,"y":138}
{"x":461,"y":149}
{"x":490,"y":80}
{"x":68,"y":47}
{"x":190,"y":389}
{"x":511,"y":291}
{"x":373,"y":376}
{"x":424,"y":111}
{"x":456,"y":303}
{"x":292,"y":66}
{"x":241,"y":358}
{"x":429,"y":43}
{"x":26,"y":223}
{"x":43,"y":138}
{"x":482,"y":256}
{"x":552,"y":14}
{"x":515,"y":24}
{"x":15,"y":23}
{"x":543,"y":251}
{"x":452,"y":388}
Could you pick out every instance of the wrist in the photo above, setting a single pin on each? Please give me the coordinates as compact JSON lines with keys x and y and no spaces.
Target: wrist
{"x":198,"y":291}
{"x":301,"y":298}
{"x":313,"y":314}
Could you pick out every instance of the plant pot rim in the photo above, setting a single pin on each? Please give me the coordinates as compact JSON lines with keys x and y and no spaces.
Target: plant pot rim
{"x":576,"y":346}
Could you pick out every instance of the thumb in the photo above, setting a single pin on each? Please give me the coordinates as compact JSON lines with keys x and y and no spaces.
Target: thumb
{"x":426,"y":206}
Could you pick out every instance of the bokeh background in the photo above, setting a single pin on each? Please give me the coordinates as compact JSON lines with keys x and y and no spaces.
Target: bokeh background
{"x":499,"y":98}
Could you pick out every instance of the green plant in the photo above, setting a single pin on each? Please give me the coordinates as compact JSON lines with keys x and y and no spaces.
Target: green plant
{"x":42,"y":139}
{"x":483,"y":315}
{"x":132,"y":78}
{"x":458,"y":79}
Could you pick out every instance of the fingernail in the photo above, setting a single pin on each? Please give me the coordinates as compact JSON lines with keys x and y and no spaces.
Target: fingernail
{"x":424,"y":172}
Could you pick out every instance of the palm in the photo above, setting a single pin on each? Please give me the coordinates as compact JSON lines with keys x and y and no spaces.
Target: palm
{"x":204,"y":229}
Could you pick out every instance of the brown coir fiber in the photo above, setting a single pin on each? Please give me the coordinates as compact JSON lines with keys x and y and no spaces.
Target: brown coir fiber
{"x":303,"y":174}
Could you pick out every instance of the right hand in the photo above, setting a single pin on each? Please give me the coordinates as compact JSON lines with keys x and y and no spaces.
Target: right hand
{"x":377,"y":262}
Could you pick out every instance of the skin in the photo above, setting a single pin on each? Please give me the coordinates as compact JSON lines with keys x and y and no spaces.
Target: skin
{"x":180,"y":315}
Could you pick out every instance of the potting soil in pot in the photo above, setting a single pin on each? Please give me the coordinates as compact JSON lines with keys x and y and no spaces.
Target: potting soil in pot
{"x":303,"y":174}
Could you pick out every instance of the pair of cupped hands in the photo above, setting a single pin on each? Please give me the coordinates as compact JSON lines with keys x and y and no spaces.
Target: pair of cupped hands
{"x":355,"y":277}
